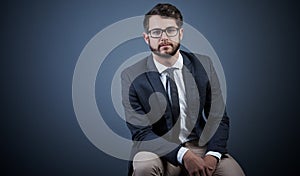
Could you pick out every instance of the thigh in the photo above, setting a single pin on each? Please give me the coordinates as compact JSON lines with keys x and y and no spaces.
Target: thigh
{"x":148,"y":163}
{"x":228,"y":167}
{"x":171,"y":170}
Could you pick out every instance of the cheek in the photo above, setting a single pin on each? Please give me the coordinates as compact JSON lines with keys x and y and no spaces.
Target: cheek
{"x":177,"y":39}
{"x":174,"y":40}
{"x":153,"y":43}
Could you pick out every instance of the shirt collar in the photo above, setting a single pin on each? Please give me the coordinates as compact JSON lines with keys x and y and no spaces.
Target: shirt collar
{"x":178,"y":64}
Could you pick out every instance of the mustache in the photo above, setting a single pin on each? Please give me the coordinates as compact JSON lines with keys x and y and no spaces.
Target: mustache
{"x":165,"y":44}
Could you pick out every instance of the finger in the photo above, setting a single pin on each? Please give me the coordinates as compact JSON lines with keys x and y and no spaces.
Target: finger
{"x":210,"y":168}
{"x":194,"y":174}
{"x":208,"y":172}
{"x":203,"y":173}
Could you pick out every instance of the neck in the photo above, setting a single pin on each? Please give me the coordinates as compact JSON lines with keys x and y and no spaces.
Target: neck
{"x":169,"y":61}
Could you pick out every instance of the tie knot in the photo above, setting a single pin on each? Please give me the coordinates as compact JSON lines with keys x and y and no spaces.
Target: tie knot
{"x":170,"y":71}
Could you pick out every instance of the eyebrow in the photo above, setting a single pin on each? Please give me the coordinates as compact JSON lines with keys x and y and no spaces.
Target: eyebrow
{"x":163,"y":29}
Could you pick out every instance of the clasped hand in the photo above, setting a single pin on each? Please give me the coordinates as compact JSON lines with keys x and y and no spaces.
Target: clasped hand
{"x":197,"y":166}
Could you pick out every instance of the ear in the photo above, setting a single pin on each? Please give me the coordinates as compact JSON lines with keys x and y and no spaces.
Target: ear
{"x":146,"y":37}
{"x":181,"y":33}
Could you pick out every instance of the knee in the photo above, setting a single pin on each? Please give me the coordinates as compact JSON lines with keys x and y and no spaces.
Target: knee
{"x":147,"y":163}
{"x":229,"y":167}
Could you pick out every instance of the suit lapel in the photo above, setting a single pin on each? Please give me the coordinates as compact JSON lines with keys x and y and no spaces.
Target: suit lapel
{"x":153,"y":76}
{"x":155,"y":81}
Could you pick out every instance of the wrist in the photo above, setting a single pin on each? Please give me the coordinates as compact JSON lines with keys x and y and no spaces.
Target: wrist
{"x":186,"y":156}
{"x":181,"y":152}
{"x":212,"y":158}
{"x":215,"y":154}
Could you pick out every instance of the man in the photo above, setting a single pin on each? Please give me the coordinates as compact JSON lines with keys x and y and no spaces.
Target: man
{"x":168,"y":98}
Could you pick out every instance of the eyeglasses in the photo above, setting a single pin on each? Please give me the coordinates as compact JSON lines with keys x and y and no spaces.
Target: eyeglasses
{"x":157,"y":33}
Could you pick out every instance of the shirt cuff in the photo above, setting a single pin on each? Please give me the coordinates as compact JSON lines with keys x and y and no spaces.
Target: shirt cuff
{"x":215,"y":154}
{"x":181,"y":153}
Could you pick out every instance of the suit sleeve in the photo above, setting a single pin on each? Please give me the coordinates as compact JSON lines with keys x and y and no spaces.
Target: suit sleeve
{"x":140,"y":126}
{"x":215,"y":108}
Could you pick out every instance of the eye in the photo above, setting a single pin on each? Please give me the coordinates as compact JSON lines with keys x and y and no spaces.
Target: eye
{"x":171,"y":30}
{"x":156,"y":32}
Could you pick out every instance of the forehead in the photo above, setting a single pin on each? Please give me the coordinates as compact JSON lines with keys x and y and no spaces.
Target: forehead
{"x":156,"y":21}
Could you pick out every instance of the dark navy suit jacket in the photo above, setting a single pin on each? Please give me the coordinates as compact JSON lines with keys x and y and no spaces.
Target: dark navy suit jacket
{"x":149,"y":121}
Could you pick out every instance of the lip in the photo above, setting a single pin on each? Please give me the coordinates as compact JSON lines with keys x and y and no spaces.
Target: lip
{"x":164,"y":45}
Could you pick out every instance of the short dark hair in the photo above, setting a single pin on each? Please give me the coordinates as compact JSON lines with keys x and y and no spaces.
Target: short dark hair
{"x":164,"y":10}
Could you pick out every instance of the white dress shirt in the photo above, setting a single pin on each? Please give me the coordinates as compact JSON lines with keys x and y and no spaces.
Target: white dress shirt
{"x":178,"y":78}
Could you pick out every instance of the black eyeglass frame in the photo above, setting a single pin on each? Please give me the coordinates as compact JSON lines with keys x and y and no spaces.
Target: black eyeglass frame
{"x":164,"y":31}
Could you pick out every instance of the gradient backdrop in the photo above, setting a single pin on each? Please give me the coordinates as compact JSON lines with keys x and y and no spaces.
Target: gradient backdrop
{"x":256,"y":41}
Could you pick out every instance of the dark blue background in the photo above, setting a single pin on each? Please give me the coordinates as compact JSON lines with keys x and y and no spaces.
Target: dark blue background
{"x":257,"y":42}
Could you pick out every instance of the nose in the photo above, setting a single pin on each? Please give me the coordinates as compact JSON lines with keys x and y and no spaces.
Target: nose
{"x":164,"y":36}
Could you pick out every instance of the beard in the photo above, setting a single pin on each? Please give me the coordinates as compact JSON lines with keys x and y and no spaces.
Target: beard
{"x":167,"y":54}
